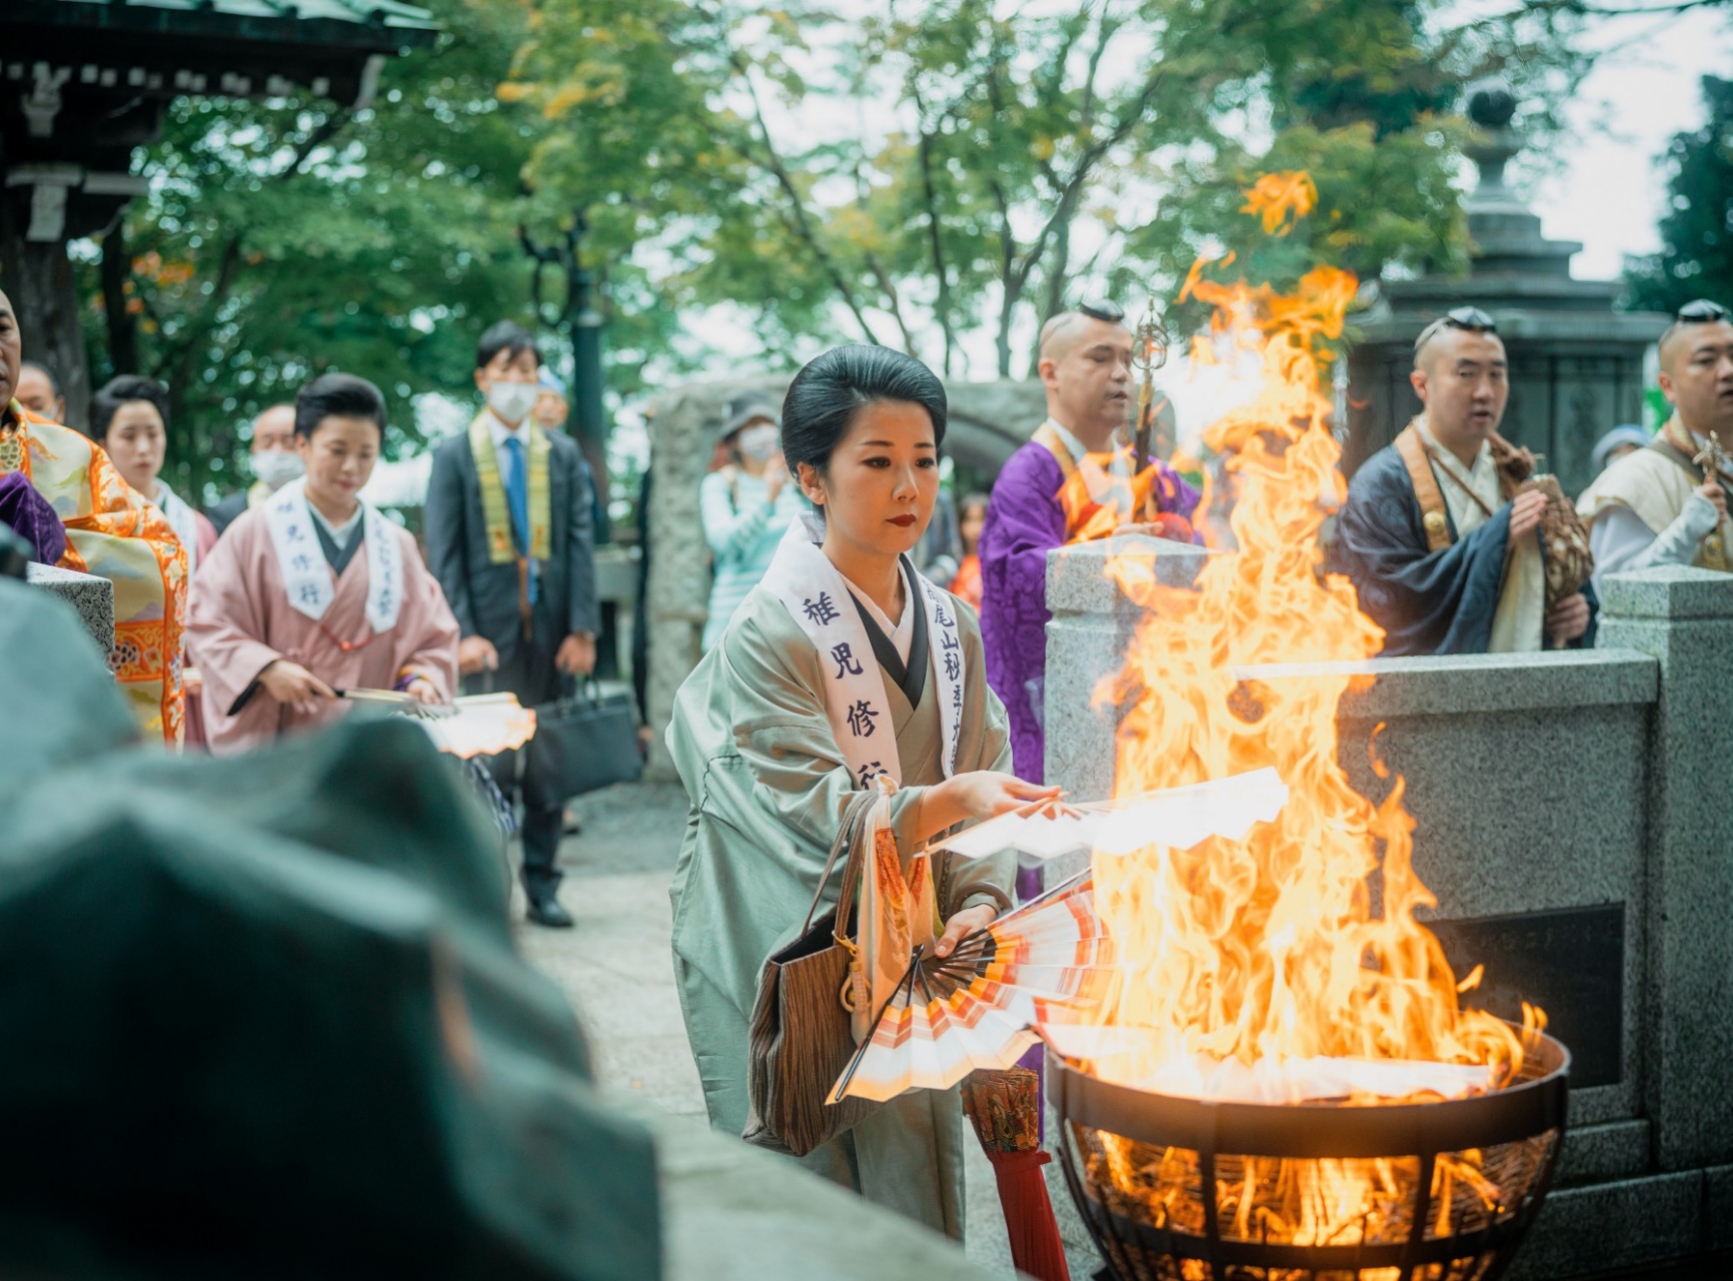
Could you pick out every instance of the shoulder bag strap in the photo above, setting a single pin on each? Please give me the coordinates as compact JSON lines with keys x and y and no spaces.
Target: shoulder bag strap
{"x":846,"y":833}
{"x":1433,"y":518}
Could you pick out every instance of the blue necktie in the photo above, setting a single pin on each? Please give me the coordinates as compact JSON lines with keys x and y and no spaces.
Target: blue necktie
{"x":517,"y":493}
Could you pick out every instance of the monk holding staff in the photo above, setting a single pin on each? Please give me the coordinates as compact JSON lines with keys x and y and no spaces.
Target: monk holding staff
{"x":314,"y":591}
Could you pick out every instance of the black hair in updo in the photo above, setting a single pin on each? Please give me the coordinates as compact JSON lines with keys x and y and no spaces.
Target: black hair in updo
{"x":338,"y":396}
{"x":825,"y":396}
{"x":127,"y":389}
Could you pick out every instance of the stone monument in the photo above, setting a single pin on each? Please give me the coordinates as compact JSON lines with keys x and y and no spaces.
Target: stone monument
{"x":1576,"y":365}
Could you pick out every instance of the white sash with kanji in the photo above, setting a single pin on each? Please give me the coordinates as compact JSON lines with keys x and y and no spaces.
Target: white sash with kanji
{"x":817,"y":597}
{"x":307,"y":577}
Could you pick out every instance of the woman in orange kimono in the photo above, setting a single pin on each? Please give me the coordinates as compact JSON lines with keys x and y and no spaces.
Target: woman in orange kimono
{"x":111,"y":532}
{"x":315,"y":591}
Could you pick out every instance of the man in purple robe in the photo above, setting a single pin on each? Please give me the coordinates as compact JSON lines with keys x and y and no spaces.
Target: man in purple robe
{"x":1073,"y":479}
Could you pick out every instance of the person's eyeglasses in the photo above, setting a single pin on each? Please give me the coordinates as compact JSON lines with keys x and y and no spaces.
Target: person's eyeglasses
{"x":1702,"y":312}
{"x":1102,"y":309}
{"x":1472,"y":319}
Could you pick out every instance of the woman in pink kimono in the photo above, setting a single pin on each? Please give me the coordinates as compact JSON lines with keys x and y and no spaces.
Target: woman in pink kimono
{"x":314,"y":591}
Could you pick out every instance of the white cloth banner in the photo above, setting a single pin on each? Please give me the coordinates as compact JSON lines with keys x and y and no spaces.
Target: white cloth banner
{"x":817,"y":597}
{"x":307,"y":577}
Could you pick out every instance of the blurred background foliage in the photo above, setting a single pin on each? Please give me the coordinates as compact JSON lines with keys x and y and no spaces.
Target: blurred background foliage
{"x":754,"y":181}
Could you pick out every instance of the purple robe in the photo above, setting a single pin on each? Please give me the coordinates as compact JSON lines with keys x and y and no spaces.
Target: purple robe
{"x":1025,"y":521}
{"x":32,"y":517}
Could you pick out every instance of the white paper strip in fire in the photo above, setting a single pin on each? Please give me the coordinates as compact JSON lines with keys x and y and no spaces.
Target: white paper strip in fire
{"x":1124,"y":1055}
{"x":483,"y":725}
{"x":1177,"y":818}
{"x":1046,"y":961}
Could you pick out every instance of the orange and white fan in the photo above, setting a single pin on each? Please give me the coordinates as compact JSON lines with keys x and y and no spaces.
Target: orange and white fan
{"x":1047,"y":961}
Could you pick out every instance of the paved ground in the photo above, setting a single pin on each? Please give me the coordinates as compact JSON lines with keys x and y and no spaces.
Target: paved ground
{"x":616,"y":967}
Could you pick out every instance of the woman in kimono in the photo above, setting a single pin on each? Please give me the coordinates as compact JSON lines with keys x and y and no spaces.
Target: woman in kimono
{"x":315,"y":591}
{"x":129,"y":419}
{"x":842,"y":665}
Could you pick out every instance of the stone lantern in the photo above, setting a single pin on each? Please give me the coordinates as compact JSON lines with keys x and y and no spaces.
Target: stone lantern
{"x":1576,"y":365}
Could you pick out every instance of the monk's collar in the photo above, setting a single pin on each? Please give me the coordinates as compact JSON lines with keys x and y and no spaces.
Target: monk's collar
{"x":12,"y":416}
{"x":1482,"y":460}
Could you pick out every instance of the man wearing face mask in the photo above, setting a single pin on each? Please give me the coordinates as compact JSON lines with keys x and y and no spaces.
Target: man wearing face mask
{"x":746,"y":506}
{"x":509,"y":536}
{"x":274,"y":461}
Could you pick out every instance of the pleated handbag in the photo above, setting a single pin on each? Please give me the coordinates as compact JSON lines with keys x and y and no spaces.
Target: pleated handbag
{"x":799,"y":1039}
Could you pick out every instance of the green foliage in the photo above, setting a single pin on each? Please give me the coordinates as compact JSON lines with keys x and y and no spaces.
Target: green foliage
{"x":1696,"y":258}
{"x":287,"y":238}
{"x":763,"y":178}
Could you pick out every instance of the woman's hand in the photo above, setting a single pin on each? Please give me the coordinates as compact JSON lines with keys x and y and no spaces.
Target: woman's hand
{"x":291,"y":683}
{"x":987,"y":794}
{"x":422,"y":690}
{"x":963,"y":924}
{"x":979,"y":794}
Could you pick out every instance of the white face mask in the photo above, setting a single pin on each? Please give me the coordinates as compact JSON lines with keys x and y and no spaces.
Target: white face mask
{"x":758,"y":442}
{"x":512,"y":402}
{"x":277,"y":467}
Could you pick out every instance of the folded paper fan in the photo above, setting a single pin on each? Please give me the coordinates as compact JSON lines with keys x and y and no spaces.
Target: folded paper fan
{"x":1179,"y":818}
{"x":976,"y":1007}
{"x":483,"y":725}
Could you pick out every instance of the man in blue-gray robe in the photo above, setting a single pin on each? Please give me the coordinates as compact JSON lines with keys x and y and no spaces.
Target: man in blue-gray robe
{"x":1437,"y":533}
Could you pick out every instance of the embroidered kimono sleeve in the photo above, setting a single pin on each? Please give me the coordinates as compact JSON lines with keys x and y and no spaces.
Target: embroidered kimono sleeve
{"x":1427,"y":602}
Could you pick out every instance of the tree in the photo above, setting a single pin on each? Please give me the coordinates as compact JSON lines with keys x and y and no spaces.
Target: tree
{"x":284,"y":238}
{"x":1007,"y":157}
{"x":1696,"y":257}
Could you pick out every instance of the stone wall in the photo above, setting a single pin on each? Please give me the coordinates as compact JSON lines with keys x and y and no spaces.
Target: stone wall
{"x":1572,"y":818}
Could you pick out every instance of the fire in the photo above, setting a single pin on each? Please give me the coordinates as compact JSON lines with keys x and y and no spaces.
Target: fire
{"x":1289,"y":965}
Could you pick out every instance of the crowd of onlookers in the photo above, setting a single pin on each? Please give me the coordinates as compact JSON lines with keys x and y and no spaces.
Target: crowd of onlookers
{"x":1452,"y":536}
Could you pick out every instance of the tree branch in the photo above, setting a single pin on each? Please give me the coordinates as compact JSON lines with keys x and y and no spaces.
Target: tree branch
{"x":935,"y":243}
{"x":797,"y":221}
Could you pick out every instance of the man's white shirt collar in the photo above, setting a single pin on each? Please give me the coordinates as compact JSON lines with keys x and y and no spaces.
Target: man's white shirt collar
{"x":500,"y":433}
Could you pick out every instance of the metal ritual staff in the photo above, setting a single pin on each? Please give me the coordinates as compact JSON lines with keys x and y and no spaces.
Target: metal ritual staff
{"x":1148,"y":353}
{"x":1713,"y":461}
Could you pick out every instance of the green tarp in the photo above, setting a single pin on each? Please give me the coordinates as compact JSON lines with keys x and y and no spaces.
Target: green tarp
{"x":262,"y":1017}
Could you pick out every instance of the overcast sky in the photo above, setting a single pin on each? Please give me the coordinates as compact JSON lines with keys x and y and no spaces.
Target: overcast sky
{"x":1608,"y":191}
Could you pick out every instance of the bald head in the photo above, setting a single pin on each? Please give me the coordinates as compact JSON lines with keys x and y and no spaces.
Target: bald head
{"x":1085,"y":366}
{"x":1683,"y":337}
{"x":274,"y":429}
{"x":1462,"y":377}
{"x":11,"y":351}
{"x":1697,"y":375}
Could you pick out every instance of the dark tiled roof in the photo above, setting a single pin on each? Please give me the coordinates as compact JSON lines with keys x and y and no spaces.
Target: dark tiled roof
{"x":342,"y":20}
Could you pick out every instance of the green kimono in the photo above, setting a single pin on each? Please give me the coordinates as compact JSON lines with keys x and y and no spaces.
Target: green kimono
{"x":768,"y":784}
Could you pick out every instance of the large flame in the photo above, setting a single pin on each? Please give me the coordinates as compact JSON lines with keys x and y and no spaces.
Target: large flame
{"x":1288,"y":965}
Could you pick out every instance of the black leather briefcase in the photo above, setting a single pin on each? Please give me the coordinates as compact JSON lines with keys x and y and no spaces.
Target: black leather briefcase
{"x":586,"y":740}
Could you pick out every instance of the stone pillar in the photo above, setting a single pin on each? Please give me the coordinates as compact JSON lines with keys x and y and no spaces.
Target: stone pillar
{"x":91,"y":596}
{"x":683,"y":431}
{"x":1683,"y":617}
{"x":1092,"y":622}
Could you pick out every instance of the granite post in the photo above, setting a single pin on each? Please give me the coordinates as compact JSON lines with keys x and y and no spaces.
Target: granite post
{"x":90,"y":596}
{"x":1683,"y":617}
{"x":1573,"y":819}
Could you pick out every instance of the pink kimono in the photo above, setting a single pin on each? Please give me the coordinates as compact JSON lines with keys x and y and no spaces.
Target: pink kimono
{"x":241,"y":620}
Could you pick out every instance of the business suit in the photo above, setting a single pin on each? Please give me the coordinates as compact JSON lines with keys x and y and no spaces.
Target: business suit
{"x":484,"y":597}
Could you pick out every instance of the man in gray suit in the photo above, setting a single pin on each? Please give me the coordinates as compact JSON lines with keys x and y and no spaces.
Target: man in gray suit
{"x":508,"y":530}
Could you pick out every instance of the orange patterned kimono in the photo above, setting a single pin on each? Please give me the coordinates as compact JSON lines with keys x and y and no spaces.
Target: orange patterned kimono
{"x":112,"y":532}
